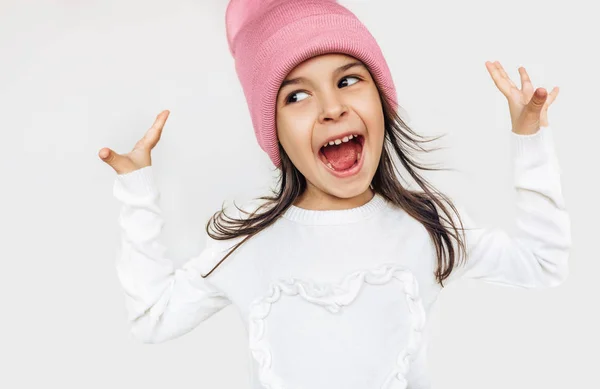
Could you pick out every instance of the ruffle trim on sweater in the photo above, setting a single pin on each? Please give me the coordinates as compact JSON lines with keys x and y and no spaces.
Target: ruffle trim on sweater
{"x":333,"y":297}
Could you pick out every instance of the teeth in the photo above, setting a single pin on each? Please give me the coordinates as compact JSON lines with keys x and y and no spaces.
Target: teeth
{"x":329,"y":166}
{"x":358,"y":156}
{"x":339,"y":141}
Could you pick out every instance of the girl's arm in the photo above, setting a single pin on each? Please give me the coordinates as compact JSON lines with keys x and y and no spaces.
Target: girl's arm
{"x":162,"y":302}
{"x":536,"y":255}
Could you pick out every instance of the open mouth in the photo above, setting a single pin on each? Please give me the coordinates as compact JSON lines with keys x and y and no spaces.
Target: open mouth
{"x":343,"y":159}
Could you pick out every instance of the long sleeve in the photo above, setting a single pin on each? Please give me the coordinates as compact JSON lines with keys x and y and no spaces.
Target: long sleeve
{"x":536,"y":255}
{"x":162,"y":302}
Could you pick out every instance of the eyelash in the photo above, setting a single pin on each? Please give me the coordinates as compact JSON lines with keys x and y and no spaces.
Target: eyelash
{"x":287,"y":102}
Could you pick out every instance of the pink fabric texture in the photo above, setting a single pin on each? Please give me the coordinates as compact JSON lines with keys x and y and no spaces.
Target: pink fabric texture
{"x":268,"y":38}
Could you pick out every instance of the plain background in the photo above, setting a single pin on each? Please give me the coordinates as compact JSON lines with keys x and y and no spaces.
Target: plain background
{"x":76,"y":76}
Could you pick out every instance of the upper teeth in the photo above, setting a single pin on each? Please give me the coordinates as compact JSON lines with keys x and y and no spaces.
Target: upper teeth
{"x":338,"y":141}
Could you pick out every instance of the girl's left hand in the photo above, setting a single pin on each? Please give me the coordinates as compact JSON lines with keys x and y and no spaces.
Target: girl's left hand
{"x":528,"y":109}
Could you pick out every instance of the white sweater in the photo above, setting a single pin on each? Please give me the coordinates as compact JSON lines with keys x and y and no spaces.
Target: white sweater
{"x":339,"y":298}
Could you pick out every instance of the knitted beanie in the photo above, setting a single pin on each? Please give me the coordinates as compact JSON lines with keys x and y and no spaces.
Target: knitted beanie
{"x":268,"y":38}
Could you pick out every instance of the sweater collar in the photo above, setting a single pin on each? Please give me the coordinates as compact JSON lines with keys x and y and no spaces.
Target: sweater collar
{"x":335,"y":216}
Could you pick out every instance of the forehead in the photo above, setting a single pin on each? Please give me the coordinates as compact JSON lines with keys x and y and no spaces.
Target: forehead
{"x":321,"y":61}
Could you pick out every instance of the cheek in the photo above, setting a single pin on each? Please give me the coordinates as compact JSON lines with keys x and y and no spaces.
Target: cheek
{"x":377,"y":133}
{"x":370,"y":111}
{"x":377,"y":124}
{"x":296,"y":137}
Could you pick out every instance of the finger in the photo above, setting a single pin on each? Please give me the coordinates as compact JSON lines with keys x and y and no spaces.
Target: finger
{"x":537,"y":101}
{"x":526,"y":85}
{"x":501,"y":82}
{"x":524,"y":77}
{"x":152,"y":136}
{"x":111,"y":158}
{"x":552,"y":96}
{"x":503,"y":74}
{"x":532,"y":116}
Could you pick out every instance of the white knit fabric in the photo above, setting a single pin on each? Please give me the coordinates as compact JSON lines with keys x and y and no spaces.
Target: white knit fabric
{"x":340,"y":298}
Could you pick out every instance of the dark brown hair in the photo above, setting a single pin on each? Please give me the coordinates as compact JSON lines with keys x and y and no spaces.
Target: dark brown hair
{"x":426,"y":206}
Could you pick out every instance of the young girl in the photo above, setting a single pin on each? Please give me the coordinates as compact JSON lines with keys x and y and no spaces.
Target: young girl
{"x":335,"y":274}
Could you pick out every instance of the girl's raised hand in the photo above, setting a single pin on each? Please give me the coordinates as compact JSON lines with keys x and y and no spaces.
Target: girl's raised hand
{"x":139,"y":157}
{"x":528,"y":108}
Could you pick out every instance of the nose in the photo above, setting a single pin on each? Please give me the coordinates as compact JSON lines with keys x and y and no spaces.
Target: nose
{"x":333,"y":109}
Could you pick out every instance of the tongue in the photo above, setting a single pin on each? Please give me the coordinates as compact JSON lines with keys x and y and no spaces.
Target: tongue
{"x":342,"y":156}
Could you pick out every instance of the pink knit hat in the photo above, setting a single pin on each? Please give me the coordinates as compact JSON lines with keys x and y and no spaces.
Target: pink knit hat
{"x":268,"y":38}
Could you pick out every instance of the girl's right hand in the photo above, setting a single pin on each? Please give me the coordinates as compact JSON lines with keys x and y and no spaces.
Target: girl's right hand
{"x":139,"y":157}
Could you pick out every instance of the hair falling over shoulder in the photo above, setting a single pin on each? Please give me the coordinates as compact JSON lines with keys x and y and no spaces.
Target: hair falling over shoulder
{"x":429,"y":206}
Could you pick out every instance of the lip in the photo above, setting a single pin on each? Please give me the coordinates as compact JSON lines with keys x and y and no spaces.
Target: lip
{"x":354,"y":169}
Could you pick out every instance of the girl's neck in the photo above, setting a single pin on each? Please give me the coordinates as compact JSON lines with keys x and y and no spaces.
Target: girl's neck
{"x":320,"y":201}
{"x":337,"y":214}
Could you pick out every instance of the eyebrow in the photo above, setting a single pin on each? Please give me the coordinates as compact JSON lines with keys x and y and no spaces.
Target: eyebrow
{"x":341,"y":69}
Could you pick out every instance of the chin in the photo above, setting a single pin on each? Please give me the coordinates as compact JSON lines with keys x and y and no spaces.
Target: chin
{"x":347,"y":191}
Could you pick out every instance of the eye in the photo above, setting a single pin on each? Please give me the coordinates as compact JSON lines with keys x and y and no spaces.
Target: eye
{"x":287,"y":99}
{"x":345,"y":78}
